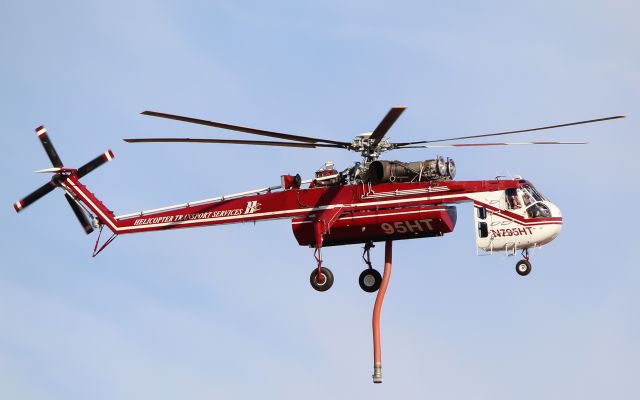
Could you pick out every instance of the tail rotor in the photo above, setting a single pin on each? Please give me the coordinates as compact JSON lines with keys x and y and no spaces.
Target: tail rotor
{"x":59,"y":178}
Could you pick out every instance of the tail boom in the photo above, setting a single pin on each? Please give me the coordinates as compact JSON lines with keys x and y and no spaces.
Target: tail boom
{"x":248,"y":208}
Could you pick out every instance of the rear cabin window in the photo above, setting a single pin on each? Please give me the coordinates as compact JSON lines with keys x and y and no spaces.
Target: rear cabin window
{"x":483,"y":230}
{"x":482,"y":213}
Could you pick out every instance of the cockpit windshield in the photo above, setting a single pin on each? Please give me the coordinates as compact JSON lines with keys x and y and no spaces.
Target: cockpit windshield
{"x":530,"y":198}
{"x":533,"y":192}
{"x":533,"y":199}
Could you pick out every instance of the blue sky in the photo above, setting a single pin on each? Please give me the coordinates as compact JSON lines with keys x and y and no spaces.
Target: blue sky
{"x":228,"y":312}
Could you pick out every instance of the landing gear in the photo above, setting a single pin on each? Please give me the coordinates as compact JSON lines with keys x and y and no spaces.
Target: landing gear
{"x":370,"y":279}
{"x":321,"y":278}
{"x":523,"y":267}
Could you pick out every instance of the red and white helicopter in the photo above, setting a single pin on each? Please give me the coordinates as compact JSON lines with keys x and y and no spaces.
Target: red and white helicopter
{"x":372,"y":201}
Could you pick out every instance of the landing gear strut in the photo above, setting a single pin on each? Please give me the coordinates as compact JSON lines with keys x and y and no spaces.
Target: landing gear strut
{"x":370,"y":278}
{"x":523,"y":267}
{"x":321,"y":278}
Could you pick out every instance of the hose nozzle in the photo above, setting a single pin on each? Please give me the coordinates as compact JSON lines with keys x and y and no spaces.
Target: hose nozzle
{"x":377,"y":373}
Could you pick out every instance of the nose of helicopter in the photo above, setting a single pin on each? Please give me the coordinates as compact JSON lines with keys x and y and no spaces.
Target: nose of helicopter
{"x":555,"y":210}
{"x":552,"y":230}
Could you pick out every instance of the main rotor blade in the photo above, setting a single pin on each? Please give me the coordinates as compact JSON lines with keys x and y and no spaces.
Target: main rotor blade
{"x":41,"y":131}
{"x":512,"y":132}
{"x":82,"y":218}
{"x":34,"y":196}
{"x":384,"y":125}
{"x":437,"y":146}
{"x":228,"y":141}
{"x":305,"y":139}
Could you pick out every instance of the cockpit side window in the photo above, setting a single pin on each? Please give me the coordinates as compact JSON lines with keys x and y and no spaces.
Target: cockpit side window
{"x":512,"y":198}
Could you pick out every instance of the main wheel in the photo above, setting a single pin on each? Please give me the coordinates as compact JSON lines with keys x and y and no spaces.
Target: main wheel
{"x":523,"y":267}
{"x":323,"y":281}
{"x":370,"y":280}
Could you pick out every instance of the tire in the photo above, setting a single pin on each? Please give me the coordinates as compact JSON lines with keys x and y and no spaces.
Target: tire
{"x":370,"y":280}
{"x":523,"y":267}
{"x":321,"y":286}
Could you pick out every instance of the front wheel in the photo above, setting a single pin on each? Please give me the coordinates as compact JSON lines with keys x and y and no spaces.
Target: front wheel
{"x":321,"y":281}
{"x":523,"y":267}
{"x":370,"y":280}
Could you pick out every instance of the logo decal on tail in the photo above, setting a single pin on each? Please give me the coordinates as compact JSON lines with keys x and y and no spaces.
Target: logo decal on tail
{"x":252,"y":207}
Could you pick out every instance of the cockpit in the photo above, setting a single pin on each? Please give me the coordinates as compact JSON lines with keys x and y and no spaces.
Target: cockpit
{"x":530,"y":198}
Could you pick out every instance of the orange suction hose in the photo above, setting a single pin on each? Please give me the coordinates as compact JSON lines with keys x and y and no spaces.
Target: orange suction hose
{"x":377,"y":309}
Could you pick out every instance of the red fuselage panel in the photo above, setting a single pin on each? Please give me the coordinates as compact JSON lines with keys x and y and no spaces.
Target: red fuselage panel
{"x":379,"y":225}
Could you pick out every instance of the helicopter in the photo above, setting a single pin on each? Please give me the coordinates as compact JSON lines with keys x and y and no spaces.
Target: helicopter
{"x":374,"y":200}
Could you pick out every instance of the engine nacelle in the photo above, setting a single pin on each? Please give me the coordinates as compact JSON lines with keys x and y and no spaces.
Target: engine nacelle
{"x":382,"y":171}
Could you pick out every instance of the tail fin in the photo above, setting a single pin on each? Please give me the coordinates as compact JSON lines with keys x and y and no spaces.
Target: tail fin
{"x":60,"y":176}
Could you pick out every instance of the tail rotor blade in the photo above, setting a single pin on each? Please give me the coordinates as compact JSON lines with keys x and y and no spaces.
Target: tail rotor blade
{"x":79,"y":212}
{"x":95,"y":163}
{"x":41,"y":131}
{"x":34,"y":196}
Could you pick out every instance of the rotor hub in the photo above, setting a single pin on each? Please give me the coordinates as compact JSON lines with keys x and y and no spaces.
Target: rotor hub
{"x":367,"y":147}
